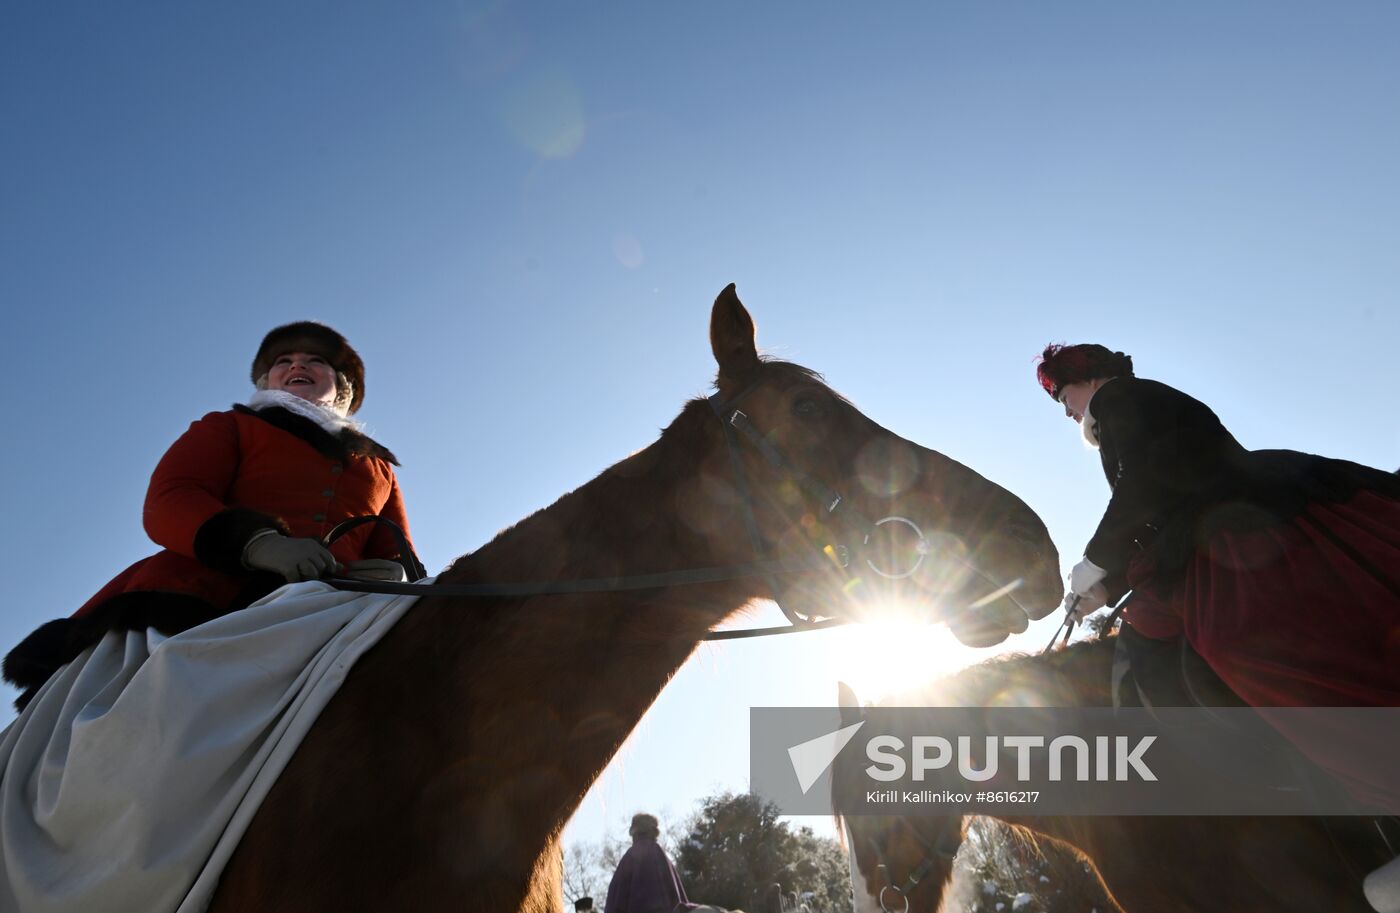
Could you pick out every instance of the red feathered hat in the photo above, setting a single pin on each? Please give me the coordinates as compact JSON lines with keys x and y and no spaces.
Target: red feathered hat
{"x":1062,"y":365}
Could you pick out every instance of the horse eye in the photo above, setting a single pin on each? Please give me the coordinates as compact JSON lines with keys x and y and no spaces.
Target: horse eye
{"x":806,"y":407}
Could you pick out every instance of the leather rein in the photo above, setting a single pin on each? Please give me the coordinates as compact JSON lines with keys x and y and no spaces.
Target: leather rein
{"x":737,"y":426}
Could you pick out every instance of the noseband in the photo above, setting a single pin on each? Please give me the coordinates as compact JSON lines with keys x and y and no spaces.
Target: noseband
{"x":895,"y":898}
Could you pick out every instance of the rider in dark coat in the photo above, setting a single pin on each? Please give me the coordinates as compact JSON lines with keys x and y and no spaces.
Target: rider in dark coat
{"x":1282,"y":569}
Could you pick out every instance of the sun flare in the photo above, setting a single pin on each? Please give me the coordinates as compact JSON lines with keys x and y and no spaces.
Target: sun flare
{"x":885,"y":658}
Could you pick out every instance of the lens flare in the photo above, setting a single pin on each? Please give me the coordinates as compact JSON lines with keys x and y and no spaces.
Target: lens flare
{"x":887,"y":467}
{"x":544,"y":112}
{"x":896,"y":652}
{"x":628,"y":250}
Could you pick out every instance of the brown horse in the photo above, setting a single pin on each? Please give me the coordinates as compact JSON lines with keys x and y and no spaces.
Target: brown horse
{"x":1148,"y":864}
{"x":441,"y":774}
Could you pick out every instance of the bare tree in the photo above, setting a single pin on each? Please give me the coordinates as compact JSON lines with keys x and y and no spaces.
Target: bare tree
{"x":588,"y":867}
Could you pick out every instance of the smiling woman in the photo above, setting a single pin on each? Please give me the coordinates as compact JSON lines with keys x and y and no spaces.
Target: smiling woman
{"x":240,"y":502}
{"x":307,"y":376}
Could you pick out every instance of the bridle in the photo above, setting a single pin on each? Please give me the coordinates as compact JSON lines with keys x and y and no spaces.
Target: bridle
{"x":895,"y":898}
{"x":737,"y":427}
{"x":736,"y":423}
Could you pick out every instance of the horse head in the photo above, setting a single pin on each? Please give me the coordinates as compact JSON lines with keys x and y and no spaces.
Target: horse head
{"x":904,"y":862}
{"x":810,"y":476}
{"x":898,"y":863}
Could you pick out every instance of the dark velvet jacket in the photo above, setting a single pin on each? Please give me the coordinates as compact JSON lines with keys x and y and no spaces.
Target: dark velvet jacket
{"x":1178,"y":477}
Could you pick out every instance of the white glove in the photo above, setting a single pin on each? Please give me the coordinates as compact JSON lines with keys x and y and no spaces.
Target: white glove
{"x":385,"y":570}
{"x":1084,"y":575}
{"x":1086,"y":592}
{"x":1082,"y":605}
{"x":294,"y":559}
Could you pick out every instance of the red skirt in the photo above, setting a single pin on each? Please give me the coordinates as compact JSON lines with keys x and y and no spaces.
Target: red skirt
{"x":1299,"y":614}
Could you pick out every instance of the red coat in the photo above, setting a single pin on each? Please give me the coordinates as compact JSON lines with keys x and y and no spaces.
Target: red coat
{"x":235,"y":473}
{"x":229,"y":476}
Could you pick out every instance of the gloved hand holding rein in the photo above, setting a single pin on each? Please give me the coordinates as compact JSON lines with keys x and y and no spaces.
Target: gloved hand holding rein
{"x":295,"y":559}
{"x":1086,"y":593}
{"x":383,"y":570}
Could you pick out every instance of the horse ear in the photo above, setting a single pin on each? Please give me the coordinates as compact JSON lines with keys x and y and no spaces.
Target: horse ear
{"x":732,"y":337}
{"x":849,"y":704}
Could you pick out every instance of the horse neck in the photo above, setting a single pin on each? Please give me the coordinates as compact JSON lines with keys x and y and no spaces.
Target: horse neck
{"x":1083,"y":673}
{"x":559,"y":681}
{"x":646,"y":514}
{"x":1076,"y":676}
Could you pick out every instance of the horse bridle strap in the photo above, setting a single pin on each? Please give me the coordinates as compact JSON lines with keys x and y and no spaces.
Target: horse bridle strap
{"x":733,"y":421}
{"x":736,"y":422}
{"x":590,"y":585}
{"x":939,"y":849}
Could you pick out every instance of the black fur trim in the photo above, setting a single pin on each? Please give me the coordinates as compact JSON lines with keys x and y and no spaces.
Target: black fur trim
{"x":36,"y":657}
{"x":219,"y":540}
{"x":57,"y":643}
{"x":339,"y":446}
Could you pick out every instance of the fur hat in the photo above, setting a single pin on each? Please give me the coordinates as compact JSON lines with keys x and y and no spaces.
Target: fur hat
{"x":1061,"y":365}
{"x":642,"y":823}
{"x":317,"y":339}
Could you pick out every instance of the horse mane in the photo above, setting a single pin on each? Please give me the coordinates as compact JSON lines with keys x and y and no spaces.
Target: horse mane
{"x":1066,"y":865}
{"x":787,"y":374}
{"x":1008,"y":679}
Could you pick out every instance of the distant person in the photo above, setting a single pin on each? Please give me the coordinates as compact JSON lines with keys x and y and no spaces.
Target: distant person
{"x":240,"y":501}
{"x":583,"y":905}
{"x":646,"y":881}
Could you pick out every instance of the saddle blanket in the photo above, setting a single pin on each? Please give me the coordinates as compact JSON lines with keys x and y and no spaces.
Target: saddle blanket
{"x":128,"y":781}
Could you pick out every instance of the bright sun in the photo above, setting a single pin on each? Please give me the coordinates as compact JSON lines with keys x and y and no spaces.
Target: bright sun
{"x":882,"y":659}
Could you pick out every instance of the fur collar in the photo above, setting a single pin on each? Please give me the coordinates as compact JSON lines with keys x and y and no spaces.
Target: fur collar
{"x":333,"y":420}
{"x":345,"y":443}
{"x":1089,"y":427}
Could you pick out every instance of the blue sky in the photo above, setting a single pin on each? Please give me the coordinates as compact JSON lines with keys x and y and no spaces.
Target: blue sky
{"x":519,"y":214}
